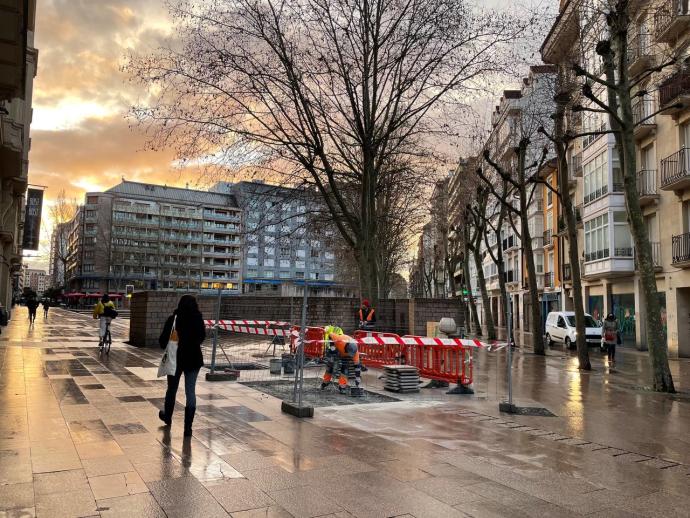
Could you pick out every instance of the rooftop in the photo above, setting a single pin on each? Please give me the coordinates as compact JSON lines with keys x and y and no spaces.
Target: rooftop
{"x":173,"y":194}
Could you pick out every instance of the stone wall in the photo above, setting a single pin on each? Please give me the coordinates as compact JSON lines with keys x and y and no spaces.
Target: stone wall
{"x":150,"y":309}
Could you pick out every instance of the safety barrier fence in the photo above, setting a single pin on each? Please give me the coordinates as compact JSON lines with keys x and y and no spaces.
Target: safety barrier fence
{"x":442,"y":359}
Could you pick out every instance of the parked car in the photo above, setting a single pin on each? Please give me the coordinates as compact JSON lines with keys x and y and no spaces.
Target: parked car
{"x":560,"y":327}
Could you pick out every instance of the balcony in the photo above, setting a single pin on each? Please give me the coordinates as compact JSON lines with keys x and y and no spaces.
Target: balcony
{"x":671,"y":19}
{"x":548,"y":238}
{"x":548,"y":280}
{"x":576,"y":166}
{"x":680,"y":250}
{"x":674,"y":93}
{"x":510,"y":277}
{"x":537,"y":243}
{"x":643,"y":117}
{"x":640,"y":55}
{"x":509,"y":243}
{"x":567,"y":273}
{"x":675,"y":171}
{"x":601,"y":263}
{"x":647,"y":186}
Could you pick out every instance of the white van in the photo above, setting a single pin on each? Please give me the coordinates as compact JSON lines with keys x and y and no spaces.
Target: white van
{"x":560,"y":327}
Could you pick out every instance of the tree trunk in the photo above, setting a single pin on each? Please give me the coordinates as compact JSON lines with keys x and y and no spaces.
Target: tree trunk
{"x":620,"y":102}
{"x":537,"y":336}
{"x":488,"y":317}
{"x":368,"y":274}
{"x":470,"y":295}
{"x":571,"y":226}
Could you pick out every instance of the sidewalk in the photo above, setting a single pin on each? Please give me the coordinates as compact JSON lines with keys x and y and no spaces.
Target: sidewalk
{"x":80,"y":436}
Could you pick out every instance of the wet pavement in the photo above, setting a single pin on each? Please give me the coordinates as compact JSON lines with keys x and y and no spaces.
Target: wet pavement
{"x":80,"y":436}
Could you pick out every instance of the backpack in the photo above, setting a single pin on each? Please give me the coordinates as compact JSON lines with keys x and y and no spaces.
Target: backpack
{"x":109,"y":311}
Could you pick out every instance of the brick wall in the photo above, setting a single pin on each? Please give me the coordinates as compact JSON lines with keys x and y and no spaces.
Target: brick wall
{"x":150,"y":309}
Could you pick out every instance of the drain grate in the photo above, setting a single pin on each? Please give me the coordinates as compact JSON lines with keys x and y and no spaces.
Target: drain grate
{"x":617,"y":453}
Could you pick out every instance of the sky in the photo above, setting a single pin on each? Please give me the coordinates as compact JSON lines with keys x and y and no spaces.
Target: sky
{"x":81,"y":136}
{"x":81,"y":139}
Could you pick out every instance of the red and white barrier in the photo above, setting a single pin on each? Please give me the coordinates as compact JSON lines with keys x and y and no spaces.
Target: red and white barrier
{"x":221,"y":323}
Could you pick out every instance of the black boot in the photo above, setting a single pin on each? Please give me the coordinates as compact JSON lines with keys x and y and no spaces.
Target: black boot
{"x":188,"y":420}
{"x":167,"y":420}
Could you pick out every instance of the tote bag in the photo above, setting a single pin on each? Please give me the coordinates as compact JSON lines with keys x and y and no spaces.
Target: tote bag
{"x":168,"y":364}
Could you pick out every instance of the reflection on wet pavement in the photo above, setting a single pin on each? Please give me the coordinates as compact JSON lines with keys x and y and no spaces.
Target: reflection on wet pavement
{"x":80,"y":436}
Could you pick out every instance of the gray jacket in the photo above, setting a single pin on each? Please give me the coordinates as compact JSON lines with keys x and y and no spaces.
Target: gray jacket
{"x":610,"y":325}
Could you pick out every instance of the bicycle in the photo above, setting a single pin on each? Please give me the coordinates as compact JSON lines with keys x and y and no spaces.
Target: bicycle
{"x":106,"y":342}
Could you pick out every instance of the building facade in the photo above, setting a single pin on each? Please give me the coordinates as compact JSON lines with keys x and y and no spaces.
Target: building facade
{"x":35,"y":279}
{"x":18,"y":61}
{"x":284,"y":245}
{"x":661,"y":112}
{"x":155,"y":237}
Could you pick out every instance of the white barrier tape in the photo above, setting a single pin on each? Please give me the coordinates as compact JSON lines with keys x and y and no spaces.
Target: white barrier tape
{"x":211,"y":323}
{"x":232,"y":325}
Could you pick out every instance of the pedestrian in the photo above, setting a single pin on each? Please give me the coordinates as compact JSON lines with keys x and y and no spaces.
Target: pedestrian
{"x":191,"y":333}
{"x":609,"y":333}
{"x":32,"y":304}
{"x":46,"y":307}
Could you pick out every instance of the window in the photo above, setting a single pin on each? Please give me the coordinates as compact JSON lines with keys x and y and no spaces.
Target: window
{"x":253,"y":272}
{"x":269,"y":262}
{"x":314,"y":253}
{"x":300,"y":264}
{"x":253,"y":250}
{"x":301,"y":253}
{"x":284,"y":252}
{"x":299,"y":275}
{"x":285,"y":263}
{"x":329,"y":255}
{"x":87,"y":268}
{"x":622,"y":240}
{"x":252,"y":261}
{"x":328,"y":276}
{"x":596,"y":177}
{"x":268,"y":274}
{"x":284,"y":275}
{"x":549,"y":192}
{"x":269,"y":250}
{"x":597,"y":238}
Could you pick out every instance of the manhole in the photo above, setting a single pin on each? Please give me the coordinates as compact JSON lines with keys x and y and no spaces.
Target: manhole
{"x":313,"y":396}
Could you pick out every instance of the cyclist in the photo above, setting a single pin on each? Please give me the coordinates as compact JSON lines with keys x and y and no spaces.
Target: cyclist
{"x":104,"y":311}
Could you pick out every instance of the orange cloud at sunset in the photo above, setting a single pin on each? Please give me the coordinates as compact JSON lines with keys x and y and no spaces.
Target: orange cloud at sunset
{"x":81,"y":139}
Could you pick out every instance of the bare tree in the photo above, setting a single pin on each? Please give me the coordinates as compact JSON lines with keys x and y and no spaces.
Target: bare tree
{"x":609,"y":90}
{"x":340,"y":88}
{"x":62,"y":211}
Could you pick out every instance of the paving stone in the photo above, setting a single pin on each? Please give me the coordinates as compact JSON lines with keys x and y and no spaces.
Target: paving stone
{"x":60,"y":481}
{"x":68,"y":504}
{"x":107,"y":465}
{"x":16,"y":496}
{"x":305,"y":502}
{"x":268,"y":512}
{"x":139,"y":506}
{"x":449,"y":490}
{"x":239,"y":495}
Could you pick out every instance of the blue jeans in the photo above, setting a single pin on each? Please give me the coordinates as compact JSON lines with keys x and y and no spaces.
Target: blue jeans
{"x":189,"y":390}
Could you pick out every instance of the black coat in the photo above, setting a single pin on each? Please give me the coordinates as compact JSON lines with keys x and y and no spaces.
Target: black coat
{"x":191,"y":333}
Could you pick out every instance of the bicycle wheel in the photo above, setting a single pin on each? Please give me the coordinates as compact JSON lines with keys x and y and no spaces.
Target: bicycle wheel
{"x":109,"y":341}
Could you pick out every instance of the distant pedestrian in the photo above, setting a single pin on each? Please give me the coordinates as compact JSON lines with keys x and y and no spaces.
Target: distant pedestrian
{"x":609,"y":333}
{"x":191,"y":332}
{"x":46,"y":307}
{"x":32,"y":304}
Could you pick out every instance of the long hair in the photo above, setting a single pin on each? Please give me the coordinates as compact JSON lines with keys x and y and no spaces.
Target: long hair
{"x":188,"y":304}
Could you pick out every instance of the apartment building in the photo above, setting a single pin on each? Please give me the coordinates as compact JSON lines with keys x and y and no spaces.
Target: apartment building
{"x":18,"y":61}
{"x":661,"y":111}
{"x":285,"y":244}
{"x":35,"y":279}
{"x":58,"y":252}
{"x":155,"y":237}
{"x":517,"y":116}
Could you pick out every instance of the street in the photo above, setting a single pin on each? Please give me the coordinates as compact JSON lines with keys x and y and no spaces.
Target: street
{"x":80,"y":436}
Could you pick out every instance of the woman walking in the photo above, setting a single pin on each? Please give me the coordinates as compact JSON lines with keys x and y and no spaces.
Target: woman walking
{"x":189,"y":325}
{"x":609,"y":332}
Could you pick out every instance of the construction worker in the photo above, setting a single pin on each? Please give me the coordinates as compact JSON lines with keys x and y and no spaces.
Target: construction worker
{"x":366,"y":315}
{"x":340,"y":347}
